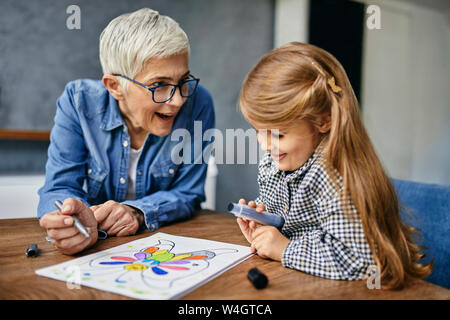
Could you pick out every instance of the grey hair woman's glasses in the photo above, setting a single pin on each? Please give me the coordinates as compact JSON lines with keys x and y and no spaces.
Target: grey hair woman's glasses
{"x":165,"y":92}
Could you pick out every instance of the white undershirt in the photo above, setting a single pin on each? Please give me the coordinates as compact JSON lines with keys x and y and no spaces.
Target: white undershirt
{"x":131,"y":188}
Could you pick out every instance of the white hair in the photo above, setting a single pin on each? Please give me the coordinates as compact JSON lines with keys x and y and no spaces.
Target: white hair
{"x":131,"y":39}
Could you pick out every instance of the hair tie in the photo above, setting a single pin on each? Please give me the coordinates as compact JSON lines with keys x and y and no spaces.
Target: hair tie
{"x":331,"y":81}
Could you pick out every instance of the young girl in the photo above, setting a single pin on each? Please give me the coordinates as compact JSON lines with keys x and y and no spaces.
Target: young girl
{"x":321,"y":174}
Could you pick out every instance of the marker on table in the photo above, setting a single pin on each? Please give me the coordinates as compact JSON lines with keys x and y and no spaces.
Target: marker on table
{"x":76,"y":223}
{"x":240,"y":210}
{"x":258,"y":278}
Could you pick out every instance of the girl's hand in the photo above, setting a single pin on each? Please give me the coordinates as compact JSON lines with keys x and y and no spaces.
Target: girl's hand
{"x":248,"y":227}
{"x":117,"y":219}
{"x":268,"y":242}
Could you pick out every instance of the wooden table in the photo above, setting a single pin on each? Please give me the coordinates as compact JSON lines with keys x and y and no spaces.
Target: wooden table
{"x":19,"y":281}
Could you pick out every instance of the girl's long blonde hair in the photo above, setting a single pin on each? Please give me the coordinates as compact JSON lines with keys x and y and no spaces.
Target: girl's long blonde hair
{"x":292,"y":83}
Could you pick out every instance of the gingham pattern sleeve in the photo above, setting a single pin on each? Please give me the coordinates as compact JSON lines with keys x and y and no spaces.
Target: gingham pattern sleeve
{"x":264,"y":168}
{"x":325,"y":241}
{"x":336,"y":249}
{"x":259,"y":200}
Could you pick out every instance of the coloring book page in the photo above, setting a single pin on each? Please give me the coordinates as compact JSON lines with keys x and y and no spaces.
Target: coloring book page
{"x":161,"y":266}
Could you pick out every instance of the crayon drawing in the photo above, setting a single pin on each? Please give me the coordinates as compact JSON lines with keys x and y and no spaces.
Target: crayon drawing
{"x":161,"y":266}
{"x":156,"y":265}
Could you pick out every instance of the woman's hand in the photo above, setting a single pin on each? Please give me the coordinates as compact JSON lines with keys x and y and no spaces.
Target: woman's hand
{"x":117,"y":219}
{"x":249,"y":226}
{"x":268,"y":242}
{"x":65,"y":237}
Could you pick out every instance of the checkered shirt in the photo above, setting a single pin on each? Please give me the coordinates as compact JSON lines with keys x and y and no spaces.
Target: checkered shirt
{"x":324,"y":241}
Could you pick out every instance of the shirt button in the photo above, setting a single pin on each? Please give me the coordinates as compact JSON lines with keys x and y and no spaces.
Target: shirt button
{"x":122,"y":180}
{"x":286,"y":208}
{"x":171,"y":171}
{"x":139,"y":173}
{"x":89,"y":171}
{"x":125,"y":143}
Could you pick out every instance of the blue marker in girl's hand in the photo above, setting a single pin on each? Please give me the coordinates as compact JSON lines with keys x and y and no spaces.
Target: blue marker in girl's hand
{"x":244,"y":211}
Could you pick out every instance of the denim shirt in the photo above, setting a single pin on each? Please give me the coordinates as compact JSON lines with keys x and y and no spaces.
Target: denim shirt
{"x":88,"y":156}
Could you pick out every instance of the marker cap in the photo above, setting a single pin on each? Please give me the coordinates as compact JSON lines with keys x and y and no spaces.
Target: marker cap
{"x":258,"y":278}
{"x":32,"y":251}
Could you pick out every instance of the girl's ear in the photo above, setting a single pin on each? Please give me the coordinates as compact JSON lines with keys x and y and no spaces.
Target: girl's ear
{"x":113,"y":86}
{"x":325,"y":123}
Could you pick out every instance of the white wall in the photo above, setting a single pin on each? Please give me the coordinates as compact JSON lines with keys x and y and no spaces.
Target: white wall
{"x":18,"y":196}
{"x":406,"y":89}
{"x":291,"y":21}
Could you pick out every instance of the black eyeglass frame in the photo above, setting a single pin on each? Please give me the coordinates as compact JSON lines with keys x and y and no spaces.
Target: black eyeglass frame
{"x":174,"y":86}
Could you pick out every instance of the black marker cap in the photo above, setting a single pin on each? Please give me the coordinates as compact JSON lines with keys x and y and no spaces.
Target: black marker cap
{"x":258,"y":278}
{"x":32,"y":251}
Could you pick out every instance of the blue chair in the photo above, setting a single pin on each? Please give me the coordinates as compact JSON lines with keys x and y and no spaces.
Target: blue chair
{"x":430,"y":207}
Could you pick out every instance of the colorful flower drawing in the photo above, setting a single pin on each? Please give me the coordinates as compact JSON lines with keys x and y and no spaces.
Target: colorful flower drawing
{"x":161,"y":266}
{"x":155,"y":266}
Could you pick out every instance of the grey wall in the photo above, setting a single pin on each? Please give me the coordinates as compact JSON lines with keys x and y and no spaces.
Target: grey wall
{"x":39,"y":55}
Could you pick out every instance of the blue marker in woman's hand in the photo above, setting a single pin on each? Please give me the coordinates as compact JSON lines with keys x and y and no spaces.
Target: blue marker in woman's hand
{"x":240,"y":210}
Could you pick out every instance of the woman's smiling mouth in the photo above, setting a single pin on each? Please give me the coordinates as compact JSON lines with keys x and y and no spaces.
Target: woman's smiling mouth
{"x":165,"y":116}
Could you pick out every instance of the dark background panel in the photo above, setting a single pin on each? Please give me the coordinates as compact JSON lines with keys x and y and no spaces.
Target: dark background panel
{"x":337,"y":26}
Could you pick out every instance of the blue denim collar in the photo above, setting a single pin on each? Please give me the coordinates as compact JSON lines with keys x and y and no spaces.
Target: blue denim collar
{"x":112,"y":117}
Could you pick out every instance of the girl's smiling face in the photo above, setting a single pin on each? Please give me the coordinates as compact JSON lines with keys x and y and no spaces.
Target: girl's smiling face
{"x":290,"y":147}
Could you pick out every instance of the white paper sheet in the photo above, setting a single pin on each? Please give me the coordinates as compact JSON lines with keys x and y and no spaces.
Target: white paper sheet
{"x":161,"y":266}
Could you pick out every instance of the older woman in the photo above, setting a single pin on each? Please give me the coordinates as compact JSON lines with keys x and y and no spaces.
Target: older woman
{"x":109,"y":158}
